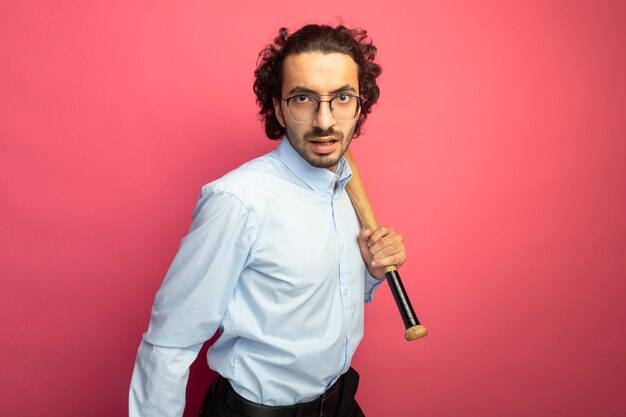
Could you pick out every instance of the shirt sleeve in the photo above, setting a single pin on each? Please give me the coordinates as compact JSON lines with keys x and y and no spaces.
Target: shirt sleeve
{"x":189,"y":306}
{"x":371,"y":284}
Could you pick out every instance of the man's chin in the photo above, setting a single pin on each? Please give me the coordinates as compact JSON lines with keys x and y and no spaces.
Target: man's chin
{"x":323,"y":161}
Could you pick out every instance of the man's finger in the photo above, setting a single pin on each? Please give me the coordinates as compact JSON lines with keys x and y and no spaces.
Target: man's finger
{"x":380,"y":232}
{"x":388,"y":251}
{"x":395,"y":260}
{"x":384,"y":242}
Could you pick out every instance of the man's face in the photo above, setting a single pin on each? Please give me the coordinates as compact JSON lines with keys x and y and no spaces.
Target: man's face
{"x":322,"y":141}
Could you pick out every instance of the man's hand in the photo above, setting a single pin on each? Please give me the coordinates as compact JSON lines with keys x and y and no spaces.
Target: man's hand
{"x":381,"y":248}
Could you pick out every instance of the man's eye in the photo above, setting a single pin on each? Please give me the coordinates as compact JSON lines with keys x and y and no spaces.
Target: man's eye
{"x":301,"y":99}
{"x":343,"y":98}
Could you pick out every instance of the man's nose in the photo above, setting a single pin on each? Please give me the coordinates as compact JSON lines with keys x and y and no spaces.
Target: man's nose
{"x":324,"y":117}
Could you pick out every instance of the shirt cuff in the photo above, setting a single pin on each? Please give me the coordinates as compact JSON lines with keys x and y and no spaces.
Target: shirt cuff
{"x":371,"y":284}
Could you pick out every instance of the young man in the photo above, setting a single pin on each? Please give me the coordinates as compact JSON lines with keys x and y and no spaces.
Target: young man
{"x":275,"y":258}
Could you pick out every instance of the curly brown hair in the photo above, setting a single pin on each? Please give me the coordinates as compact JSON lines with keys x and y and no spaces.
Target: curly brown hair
{"x":314,"y":38}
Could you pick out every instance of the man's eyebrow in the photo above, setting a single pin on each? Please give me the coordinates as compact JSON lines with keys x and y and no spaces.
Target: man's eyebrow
{"x":304,"y":90}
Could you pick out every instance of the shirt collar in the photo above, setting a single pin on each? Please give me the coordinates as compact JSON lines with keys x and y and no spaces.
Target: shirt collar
{"x":321,"y":180}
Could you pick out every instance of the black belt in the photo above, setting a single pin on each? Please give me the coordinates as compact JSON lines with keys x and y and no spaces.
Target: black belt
{"x":321,"y":406}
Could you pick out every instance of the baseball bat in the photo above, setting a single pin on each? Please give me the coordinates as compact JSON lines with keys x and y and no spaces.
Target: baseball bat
{"x":358,"y":196}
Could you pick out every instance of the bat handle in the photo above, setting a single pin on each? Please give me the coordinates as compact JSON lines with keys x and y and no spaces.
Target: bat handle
{"x":414,"y":329}
{"x":358,"y":196}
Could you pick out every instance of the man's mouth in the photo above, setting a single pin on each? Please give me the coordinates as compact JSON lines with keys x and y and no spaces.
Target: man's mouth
{"x":323,"y":141}
{"x":324,"y":145}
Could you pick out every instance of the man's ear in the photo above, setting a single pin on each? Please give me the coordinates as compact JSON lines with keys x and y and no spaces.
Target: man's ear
{"x":278,"y":111}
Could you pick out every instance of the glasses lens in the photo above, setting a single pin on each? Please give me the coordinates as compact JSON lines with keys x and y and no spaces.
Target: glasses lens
{"x":344,"y":107}
{"x":302,"y":108}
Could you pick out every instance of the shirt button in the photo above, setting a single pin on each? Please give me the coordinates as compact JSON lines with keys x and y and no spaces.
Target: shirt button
{"x":345,"y":291}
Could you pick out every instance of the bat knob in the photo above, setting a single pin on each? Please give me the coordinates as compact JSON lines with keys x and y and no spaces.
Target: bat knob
{"x":415,"y":332}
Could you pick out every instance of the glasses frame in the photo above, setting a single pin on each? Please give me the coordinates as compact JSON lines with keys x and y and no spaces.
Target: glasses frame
{"x":319,"y":103}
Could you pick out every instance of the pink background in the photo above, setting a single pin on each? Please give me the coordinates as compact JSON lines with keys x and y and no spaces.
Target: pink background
{"x":498,"y":149}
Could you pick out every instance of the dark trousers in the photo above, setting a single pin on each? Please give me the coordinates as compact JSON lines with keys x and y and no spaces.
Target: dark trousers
{"x":338,"y":401}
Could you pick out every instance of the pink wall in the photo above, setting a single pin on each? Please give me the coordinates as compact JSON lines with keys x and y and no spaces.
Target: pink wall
{"x":498,"y":150}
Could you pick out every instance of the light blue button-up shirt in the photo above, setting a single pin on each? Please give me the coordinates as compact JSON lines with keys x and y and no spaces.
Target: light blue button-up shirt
{"x":271,"y":261}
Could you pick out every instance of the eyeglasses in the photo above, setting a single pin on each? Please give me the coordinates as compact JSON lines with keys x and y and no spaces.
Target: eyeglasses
{"x":303,"y":108}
